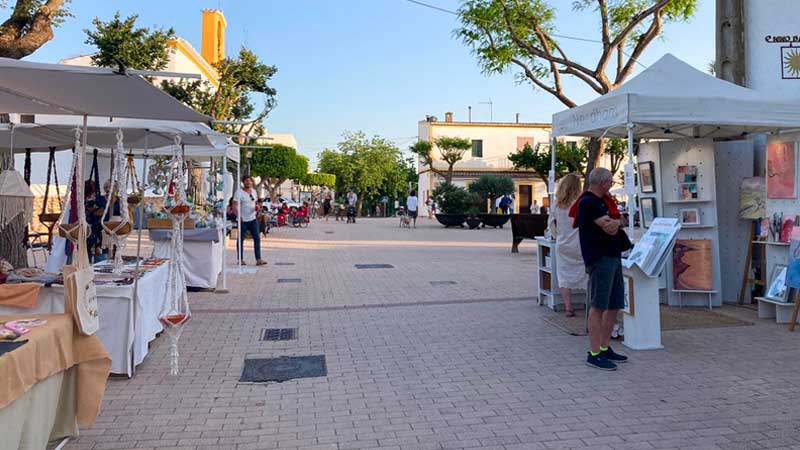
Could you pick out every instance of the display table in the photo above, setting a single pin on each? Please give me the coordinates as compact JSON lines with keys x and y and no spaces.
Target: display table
{"x":125,"y":333}
{"x":202,"y":251}
{"x":51,"y":384}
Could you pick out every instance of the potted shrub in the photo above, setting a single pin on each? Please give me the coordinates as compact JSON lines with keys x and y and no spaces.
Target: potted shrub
{"x":490,"y":187}
{"x":473,"y":221}
{"x":454,"y":202}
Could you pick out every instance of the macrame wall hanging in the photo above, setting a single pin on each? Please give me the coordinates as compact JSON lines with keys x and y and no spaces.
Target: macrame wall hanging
{"x":117,"y":227}
{"x":47,"y":217}
{"x":175,"y":312}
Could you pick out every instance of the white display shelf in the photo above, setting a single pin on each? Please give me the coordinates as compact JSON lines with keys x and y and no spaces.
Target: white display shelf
{"x":698,"y":226}
{"x":694,"y":200}
{"x":777,"y":244}
{"x":773,"y":309}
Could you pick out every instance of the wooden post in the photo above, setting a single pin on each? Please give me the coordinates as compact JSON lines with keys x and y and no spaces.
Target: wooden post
{"x":796,"y":309}
{"x":748,"y":262}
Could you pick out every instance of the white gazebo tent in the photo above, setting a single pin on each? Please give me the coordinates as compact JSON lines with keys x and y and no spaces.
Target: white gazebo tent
{"x":671,"y":100}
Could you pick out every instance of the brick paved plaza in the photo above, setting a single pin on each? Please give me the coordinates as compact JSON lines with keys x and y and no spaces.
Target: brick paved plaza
{"x":417,"y":365}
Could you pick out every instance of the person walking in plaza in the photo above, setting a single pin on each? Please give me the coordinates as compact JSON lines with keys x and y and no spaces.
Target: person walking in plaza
{"x":535,"y":207}
{"x":569,"y":263}
{"x":412,"y":203}
{"x":602,"y":243}
{"x":505,"y":203}
{"x":244,"y":205}
{"x":352,"y":200}
{"x":429,"y":207}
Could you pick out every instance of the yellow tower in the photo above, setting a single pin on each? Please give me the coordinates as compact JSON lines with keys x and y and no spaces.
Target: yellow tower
{"x":212,"y":43}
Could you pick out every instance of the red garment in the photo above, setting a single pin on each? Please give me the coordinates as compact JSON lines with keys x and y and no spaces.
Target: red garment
{"x":611,"y":204}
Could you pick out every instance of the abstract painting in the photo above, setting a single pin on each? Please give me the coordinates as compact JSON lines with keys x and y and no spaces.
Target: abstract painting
{"x":647,"y":180}
{"x":688,"y":191}
{"x":690,"y":216}
{"x":691,"y":265}
{"x":793,"y":268}
{"x":776,"y":288}
{"x":753,"y":198}
{"x":786,"y":231}
{"x":687,"y":174}
{"x":781,"y":170}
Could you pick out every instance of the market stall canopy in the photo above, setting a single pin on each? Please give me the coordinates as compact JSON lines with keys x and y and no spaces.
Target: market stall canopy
{"x":672,"y":99}
{"x":39,"y":88}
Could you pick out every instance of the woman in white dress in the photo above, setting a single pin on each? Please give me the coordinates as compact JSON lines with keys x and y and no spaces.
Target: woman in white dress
{"x":570,"y":269}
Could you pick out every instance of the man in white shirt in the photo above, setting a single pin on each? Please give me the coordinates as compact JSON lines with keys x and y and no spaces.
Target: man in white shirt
{"x":244,"y":204}
{"x":412,"y":203}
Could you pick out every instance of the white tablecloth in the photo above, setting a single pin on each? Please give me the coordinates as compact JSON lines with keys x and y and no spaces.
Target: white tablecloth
{"x":203,"y":260}
{"x":125,"y":342}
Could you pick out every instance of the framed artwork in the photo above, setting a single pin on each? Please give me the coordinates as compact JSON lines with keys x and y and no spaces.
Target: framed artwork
{"x":793,"y":267}
{"x":687,"y":174}
{"x":690,"y":216}
{"x":629,"y":301}
{"x":691,"y":265}
{"x":647,"y":180}
{"x":753,"y":198}
{"x":781,"y":170}
{"x":762,"y":229}
{"x":786,"y":231}
{"x":687,"y":191}
{"x":776,"y":287}
{"x":648,"y":211}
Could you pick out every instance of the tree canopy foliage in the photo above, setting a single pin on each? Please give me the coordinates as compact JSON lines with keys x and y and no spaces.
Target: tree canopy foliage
{"x":452,"y":199}
{"x":276,"y":165}
{"x":319,"y":179}
{"x":372,"y":167}
{"x":119,"y":41}
{"x":522,"y":35}
{"x":30,"y":25}
{"x":451,"y":151}
{"x":489,"y":187}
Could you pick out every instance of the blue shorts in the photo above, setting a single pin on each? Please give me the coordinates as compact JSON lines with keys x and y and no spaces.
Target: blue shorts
{"x":412,"y":213}
{"x":606,"y":285}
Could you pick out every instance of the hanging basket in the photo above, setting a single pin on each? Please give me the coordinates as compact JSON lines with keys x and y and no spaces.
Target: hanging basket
{"x":134,"y":200}
{"x":175,"y":319}
{"x":70,"y":231}
{"x":49,"y":218}
{"x":179,"y":209}
{"x":113,"y":226}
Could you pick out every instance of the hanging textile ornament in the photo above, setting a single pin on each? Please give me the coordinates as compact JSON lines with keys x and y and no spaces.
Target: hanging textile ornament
{"x":133,"y":189}
{"x":50,"y":219}
{"x":175,"y":311}
{"x":66,"y":229}
{"x":117,"y":227}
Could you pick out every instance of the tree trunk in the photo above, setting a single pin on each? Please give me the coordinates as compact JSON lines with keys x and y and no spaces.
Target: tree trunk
{"x":595,"y":152}
{"x":359,"y":203}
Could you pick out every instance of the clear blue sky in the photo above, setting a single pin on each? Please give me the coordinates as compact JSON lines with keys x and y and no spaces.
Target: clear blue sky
{"x":373,"y":65}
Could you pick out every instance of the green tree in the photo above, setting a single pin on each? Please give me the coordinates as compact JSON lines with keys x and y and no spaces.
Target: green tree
{"x":451,"y":151}
{"x":119,"y":41}
{"x":276,"y":165}
{"x":372,"y":167}
{"x":569,"y":158}
{"x":522,"y":35}
{"x":30,"y":26}
{"x":319,"y":179}
{"x":452,"y":199}
{"x":489,"y":187}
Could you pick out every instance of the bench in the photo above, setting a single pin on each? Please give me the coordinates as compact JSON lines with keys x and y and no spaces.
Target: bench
{"x":526,"y":226}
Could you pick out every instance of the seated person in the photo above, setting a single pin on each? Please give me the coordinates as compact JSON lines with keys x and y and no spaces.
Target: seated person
{"x":298,"y":215}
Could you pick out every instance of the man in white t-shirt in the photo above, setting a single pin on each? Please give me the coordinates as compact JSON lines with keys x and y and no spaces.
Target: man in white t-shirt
{"x":412,"y":203}
{"x":244,"y":204}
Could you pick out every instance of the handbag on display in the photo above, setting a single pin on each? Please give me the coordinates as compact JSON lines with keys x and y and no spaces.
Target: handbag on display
{"x":80,"y":294}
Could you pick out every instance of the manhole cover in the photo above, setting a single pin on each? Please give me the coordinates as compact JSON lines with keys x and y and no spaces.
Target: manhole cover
{"x":261,"y":370}
{"x":329,"y":232}
{"x":284,"y":264}
{"x":374,"y":266}
{"x":442,"y":283}
{"x":289,"y":280}
{"x":279,"y":334}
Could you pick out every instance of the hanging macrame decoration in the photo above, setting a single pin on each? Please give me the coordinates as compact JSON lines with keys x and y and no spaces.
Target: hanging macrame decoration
{"x":66,"y":228}
{"x":132,"y":188}
{"x":117,"y":227}
{"x":50,"y":219}
{"x":175,"y":312}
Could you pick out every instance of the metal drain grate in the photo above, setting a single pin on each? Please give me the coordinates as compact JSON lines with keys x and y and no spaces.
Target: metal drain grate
{"x":285,"y":368}
{"x":279,"y":334}
{"x":284,"y":264}
{"x":442,"y":283}
{"x":329,"y":232}
{"x":290,"y":280}
{"x":374,"y":266}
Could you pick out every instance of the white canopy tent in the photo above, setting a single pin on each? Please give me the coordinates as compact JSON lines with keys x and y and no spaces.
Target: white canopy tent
{"x":673,"y":100}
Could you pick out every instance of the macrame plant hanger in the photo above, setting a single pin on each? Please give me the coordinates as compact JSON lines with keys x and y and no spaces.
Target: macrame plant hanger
{"x":67,"y":229}
{"x":175,"y":312}
{"x":50,"y":219}
{"x":117,"y":228}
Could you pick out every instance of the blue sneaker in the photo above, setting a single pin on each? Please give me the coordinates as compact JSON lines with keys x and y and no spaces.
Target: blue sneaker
{"x":612,"y":356}
{"x":598,"y":362}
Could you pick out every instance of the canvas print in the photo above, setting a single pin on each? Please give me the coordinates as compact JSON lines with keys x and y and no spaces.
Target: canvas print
{"x":648,"y":211}
{"x":781,"y":170}
{"x":647,"y":181}
{"x":777,"y":284}
{"x":762,"y":229}
{"x":691,"y":265}
{"x":753,"y":198}
{"x":629,"y":306}
{"x":786,"y":230}
{"x":793,"y":267}
{"x":690,"y":216}
{"x":687,"y":174}
{"x":687,"y":191}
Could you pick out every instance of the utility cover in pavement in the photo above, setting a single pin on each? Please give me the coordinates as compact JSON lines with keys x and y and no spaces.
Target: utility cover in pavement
{"x":442,"y":283}
{"x":289,"y":280}
{"x":374,"y":266}
{"x":285,"y":368}
{"x":329,"y":232}
{"x":284,"y":264}
{"x":279,"y":334}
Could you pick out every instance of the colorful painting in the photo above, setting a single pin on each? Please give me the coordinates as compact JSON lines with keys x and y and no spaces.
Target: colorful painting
{"x":753,"y":198}
{"x":786,"y":230}
{"x":691,"y":265}
{"x":690,"y":216}
{"x":647,"y":181}
{"x":762,"y":229}
{"x":777,"y":284}
{"x":687,"y":191}
{"x":687,"y":174}
{"x":781,"y":170}
{"x":648,"y":211}
{"x":793,"y":268}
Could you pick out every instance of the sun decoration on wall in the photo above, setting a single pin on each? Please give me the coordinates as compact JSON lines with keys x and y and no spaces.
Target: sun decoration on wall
{"x":791,"y":62}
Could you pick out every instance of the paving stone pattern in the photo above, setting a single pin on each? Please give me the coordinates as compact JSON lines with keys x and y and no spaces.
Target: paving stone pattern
{"x":416,"y":366}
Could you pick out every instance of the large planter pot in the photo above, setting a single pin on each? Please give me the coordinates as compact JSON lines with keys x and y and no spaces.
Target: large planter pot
{"x":451,"y":220}
{"x":495,"y":220}
{"x":474,"y":222}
